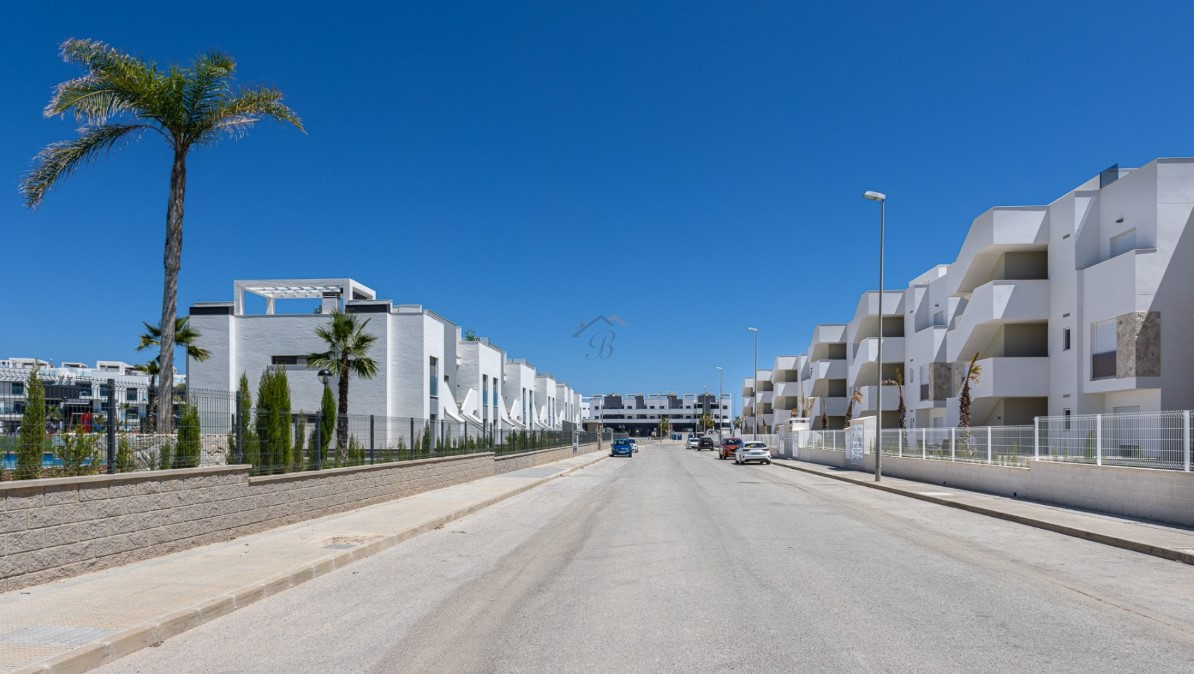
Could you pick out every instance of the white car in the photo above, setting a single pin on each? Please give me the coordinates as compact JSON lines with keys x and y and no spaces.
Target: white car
{"x":694,"y":442}
{"x":634,"y":444}
{"x":753,"y":451}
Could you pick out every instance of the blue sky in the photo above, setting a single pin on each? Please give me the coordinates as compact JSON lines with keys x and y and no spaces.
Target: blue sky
{"x":520,"y":168}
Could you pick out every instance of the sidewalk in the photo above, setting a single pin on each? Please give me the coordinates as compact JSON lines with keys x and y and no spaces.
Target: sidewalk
{"x":80,"y":623}
{"x":1151,"y":538}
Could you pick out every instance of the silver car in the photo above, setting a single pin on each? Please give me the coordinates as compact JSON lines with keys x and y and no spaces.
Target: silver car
{"x":753,"y":451}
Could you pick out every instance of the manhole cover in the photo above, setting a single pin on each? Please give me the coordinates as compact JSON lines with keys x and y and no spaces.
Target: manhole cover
{"x":344,"y":542}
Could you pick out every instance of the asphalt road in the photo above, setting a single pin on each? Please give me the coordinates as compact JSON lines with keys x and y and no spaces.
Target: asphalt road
{"x":675,"y":562}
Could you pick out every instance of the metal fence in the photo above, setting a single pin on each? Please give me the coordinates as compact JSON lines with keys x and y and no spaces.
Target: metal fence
{"x":1159,"y":440}
{"x":207,"y":429}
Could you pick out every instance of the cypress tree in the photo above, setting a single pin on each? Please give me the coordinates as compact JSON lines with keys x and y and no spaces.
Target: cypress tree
{"x":327,"y":420}
{"x":273,"y":421}
{"x":300,"y":442}
{"x":33,"y":429}
{"x":190,"y":446}
{"x":250,"y":446}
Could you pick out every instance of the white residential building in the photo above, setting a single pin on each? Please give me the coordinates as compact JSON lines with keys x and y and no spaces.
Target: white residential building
{"x":640,"y":414}
{"x":1080,"y":306}
{"x":426,"y":371}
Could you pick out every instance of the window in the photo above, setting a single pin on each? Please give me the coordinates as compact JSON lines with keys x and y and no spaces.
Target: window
{"x":18,"y":389}
{"x":939,"y":318}
{"x":1065,"y":339}
{"x":434,"y":381}
{"x":1102,"y":357}
{"x":1066,"y":413}
{"x":288,"y":360}
{"x":1123,"y":243}
{"x":130,"y":395}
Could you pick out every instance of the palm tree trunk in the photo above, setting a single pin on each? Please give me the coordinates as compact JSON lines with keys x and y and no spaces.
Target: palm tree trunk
{"x":342,"y":413}
{"x":172,"y":263}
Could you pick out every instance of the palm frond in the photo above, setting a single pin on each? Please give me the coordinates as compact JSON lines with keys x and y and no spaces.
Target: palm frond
{"x":61,"y":159}
{"x":236,"y":114}
{"x":209,"y":85}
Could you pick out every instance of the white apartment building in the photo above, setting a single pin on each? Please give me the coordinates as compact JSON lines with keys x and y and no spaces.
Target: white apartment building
{"x":640,"y":414}
{"x":75,"y":389}
{"x":1081,"y":306}
{"x":426,"y":371}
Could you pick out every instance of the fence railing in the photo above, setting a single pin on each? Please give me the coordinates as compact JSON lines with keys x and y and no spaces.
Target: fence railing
{"x":208,"y":430}
{"x":1159,"y":440}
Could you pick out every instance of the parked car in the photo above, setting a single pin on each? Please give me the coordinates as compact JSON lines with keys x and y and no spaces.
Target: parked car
{"x":693,"y":442}
{"x":728,"y":447}
{"x":633,"y":444}
{"x":622,"y":447}
{"x":753,"y":451}
{"x":706,"y":442}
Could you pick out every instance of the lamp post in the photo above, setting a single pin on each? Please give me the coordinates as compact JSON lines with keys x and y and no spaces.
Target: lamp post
{"x":720,"y":413}
{"x":755,"y":387}
{"x":882,"y":199}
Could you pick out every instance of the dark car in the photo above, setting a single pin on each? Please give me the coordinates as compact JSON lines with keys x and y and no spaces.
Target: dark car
{"x":706,"y":442}
{"x":622,"y":447}
{"x":728,"y":447}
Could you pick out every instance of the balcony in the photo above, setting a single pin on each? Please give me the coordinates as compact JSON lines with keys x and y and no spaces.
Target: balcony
{"x":1012,"y":378}
{"x":832,"y":407}
{"x":991,"y":305}
{"x":891,"y":399}
{"x":828,"y":369}
{"x":862,"y":369}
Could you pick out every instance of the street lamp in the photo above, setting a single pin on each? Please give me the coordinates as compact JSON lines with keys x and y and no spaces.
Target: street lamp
{"x":720,"y":413}
{"x":755,"y":387}
{"x":882,"y":199}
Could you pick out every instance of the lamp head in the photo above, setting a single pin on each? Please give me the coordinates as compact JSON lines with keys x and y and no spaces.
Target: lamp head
{"x":753,"y":329}
{"x":874,"y":196}
{"x":325,"y":376}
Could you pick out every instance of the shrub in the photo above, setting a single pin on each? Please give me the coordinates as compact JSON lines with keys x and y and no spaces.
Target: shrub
{"x":300,"y":442}
{"x":80,"y":455}
{"x":124,"y":455}
{"x":327,"y":420}
{"x":164,"y":454}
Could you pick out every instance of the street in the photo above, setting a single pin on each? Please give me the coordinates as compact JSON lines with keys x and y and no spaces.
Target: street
{"x":674,"y":561}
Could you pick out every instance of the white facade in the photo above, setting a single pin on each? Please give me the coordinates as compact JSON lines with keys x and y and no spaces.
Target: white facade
{"x":75,"y":388}
{"x":1081,"y":306}
{"x":640,"y":414}
{"x":426,"y":372}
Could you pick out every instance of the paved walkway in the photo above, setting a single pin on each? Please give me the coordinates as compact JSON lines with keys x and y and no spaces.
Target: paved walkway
{"x":1169,"y":542}
{"x":83,"y":622}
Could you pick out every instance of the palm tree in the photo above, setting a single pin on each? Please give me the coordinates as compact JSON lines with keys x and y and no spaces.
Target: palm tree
{"x":901,"y":409}
{"x":150,"y":368}
{"x":855,"y":398}
{"x":184,"y":335}
{"x":972,"y":376}
{"x":348,"y":346}
{"x":118,"y":98}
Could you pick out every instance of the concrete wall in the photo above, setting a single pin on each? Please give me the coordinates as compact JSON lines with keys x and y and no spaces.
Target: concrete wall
{"x":56,"y":528}
{"x":1160,"y":495}
{"x":512,"y":462}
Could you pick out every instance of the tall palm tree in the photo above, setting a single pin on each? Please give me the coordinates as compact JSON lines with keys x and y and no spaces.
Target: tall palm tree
{"x":348,"y":347}
{"x":185,"y":336}
{"x":119,"y":97}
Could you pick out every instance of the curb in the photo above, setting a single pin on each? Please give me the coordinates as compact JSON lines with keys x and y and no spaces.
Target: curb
{"x":1095,"y":537}
{"x":130,"y":640}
